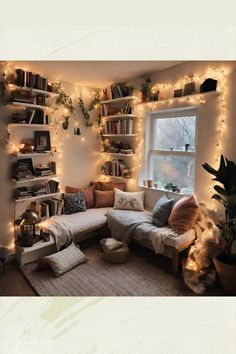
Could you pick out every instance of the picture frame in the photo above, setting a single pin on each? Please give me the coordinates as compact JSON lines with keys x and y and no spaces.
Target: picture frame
{"x":178,"y":93}
{"x":189,"y":88}
{"x":42,"y":140}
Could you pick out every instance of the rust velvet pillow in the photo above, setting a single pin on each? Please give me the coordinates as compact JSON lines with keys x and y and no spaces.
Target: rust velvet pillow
{"x":104,"y":198}
{"x":184,"y":214}
{"x":107,"y":186}
{"x":88,"y":194}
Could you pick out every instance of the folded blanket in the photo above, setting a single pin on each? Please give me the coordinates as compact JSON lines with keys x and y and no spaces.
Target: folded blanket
{"x":125,"y":224}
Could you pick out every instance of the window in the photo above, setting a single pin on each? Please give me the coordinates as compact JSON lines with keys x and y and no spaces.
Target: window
{"x":172,"y":148}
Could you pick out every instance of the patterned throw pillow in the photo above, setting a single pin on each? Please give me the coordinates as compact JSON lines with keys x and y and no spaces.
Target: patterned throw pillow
{"x":74,"y":203}
{"x":88,"y":194}
{"x":129,"y":200}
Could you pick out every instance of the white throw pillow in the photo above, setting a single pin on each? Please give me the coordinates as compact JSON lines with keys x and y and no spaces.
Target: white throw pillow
{"x":128,"y":200}
{"x":65,"y":260}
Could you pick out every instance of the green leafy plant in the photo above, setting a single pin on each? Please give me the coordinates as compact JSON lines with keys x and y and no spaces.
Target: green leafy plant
{"x":226,"y":195}
{"x":62,"y":98}
{"x":146,"y":89}
{"x":168,"y":186}
{"x":86,"y":110}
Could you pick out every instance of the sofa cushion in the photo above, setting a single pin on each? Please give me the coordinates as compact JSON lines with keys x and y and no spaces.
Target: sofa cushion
{"x":74,"y":202}
{"x":161,"y":211}
{"x":129,"y":200}
{"x":104,"y":198}
{"x":65,"y":260}
{"x":184,"y":214}
{"x":88,"y":193}
{"x":104,"y":186}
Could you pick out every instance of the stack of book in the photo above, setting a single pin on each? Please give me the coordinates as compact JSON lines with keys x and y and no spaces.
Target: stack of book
{"x":43,"y":170}
{"x":28,"y":79}
{"x":23,"y":173}
{"x":21,"y":96}
{"x":49,"y":207}
{"x":23,"y":192}
{"x":116,"y":168}
{"x":122,"y":126}
{"x":39,"y":189}
{"x":121,"y":90}
{"x":37,"y":116}
{"x":52,"y":186}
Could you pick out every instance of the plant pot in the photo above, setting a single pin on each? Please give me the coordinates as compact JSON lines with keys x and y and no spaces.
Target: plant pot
{"x":226,"y":270}
{"x":65,"y":124}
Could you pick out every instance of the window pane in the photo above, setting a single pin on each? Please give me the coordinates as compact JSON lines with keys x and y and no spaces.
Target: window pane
{"x":178,"y":170}
{"x":174,"y":133}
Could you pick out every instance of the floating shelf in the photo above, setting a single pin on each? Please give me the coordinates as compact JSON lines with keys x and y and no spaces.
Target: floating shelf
{"x":119,"y":100}
{"x":120,"y":116}
{"x":113,"y":135}
{"x":34,"y":179}
{"x":166,"y":191}
{"x":33,"y":90}
{"x":37,"y":197}
{"x":118,"y":154}
{"x":119,"y":177}
{"x":20,"y":155}
{"x":187,"y":97}
{"x":31,"y":105}
{"x":16,"y":125}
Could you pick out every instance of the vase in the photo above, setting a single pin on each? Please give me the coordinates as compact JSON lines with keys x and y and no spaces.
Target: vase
{"x":65,"y":124}
{"x":226,"y":272}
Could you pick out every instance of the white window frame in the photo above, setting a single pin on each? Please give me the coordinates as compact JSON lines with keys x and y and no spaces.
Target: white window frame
{"x":169,"y":113}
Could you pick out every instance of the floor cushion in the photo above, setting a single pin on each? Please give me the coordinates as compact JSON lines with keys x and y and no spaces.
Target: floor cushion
{"x":114,"y":255}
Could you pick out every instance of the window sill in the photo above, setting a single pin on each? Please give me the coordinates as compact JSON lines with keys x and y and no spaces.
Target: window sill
{"x":166,"y":191}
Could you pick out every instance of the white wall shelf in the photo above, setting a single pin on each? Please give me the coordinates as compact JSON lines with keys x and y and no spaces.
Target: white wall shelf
{"x":118,"y":154}
{"x":187,"y":97}
{"x":32,"y":106}
{"x":36,"y":92}
{"x":16,"y":125}
{"x":120,"y":116}
{"x":30,"y":199}
{"x":119,"y":100}
{"x":34,"y":179}
{"x":174,"y":152}
{"x":166,"y":191}
{"x":119,"y":135}
{"x":20,"y":155}
{"x":119,"y":178}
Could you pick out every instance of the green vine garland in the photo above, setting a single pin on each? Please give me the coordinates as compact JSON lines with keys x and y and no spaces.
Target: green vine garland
{"x":86,"y":111}
{"x":63,"y":99}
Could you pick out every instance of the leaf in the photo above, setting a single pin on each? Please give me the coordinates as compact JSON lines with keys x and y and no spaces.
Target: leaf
{"x":220,"y":190}
{"x":219,"y":199}
{"x":209,"y":169}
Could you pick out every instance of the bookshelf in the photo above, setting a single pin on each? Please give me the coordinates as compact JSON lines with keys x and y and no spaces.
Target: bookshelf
{"x":37,"y":197}
{"x":25,"y":125}
{"x":34,"y":91}
{"x":119,"y":122}
{"x":32,"y":106}
{"x":34,"y":179}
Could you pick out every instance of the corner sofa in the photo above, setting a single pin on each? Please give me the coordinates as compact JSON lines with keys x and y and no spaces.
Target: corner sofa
{"x":82,"y":223}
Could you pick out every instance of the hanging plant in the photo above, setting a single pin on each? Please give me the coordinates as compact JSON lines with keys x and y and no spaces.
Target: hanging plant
{"x":86,"y":111}
{"x":62,"y":98}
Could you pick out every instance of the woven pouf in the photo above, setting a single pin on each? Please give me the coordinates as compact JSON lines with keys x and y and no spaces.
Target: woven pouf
{"x":114,"y":251}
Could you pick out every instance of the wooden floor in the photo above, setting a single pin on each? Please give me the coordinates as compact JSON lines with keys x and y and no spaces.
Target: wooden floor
{"x":13,"y":282}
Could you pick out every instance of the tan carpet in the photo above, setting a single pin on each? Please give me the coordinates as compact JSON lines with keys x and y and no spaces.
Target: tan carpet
{"x":137,"y":277}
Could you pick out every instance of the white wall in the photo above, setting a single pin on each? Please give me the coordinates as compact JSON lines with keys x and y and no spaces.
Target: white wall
{"x":208,"y":120}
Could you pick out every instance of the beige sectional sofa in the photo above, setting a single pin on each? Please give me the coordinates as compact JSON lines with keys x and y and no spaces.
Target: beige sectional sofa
{"x":81,"y":224}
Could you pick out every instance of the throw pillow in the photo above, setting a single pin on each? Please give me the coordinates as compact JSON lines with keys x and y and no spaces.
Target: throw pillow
{"x":106,"y":186}
{"x":161,"y":211}
{"x":104,"y":199}
{"x":74,"y":203}
{"x":121,"y":186}
{"x":129,"y":200}
{"x":65,"y":260}
{"x":184,"y":214}
{"x":88,"y":194}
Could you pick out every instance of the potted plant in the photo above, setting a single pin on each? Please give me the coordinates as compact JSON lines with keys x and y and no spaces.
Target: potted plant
{"x":65,"y":123}
{"x":146,"y":90}
{"x":225,"y":264}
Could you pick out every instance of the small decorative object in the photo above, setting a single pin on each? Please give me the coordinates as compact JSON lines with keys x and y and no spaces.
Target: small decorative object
{"x":27,"y":146}
{"x":77,"y":131}
{"x":175,"y":188}
{"x":25,"y":228}
{"x":187,"y":147}
{"x":208,"y":85}
{"x":145,"y":183}
{"x":146,"y":90}
{"x":155,"y":185}
{"x":92,"y":105}
{"x":178,"y":93}
{"x":65,"y":124}
{"x":189,"y":88}
{"x":225,"y":263}
{"x":168,"y":186}
{"x":105,"y":96}
{"x":171,"y":149}
{"x":150,"y":183}
{"x":154,"y":95}
{"x":23,"y":169}
{"x":42,"y":140}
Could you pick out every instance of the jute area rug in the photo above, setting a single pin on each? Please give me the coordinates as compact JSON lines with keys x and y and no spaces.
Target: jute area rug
{"x":136,"y":277}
